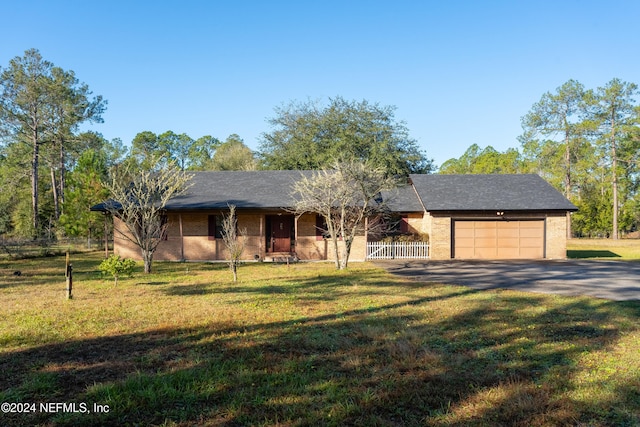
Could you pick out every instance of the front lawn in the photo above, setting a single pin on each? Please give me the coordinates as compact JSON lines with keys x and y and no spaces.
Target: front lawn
{"x":306,"y":345}
{"x":622,"y":249}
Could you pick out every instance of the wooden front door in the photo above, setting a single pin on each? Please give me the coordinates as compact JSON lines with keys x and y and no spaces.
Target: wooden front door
{"x":281,"y":233}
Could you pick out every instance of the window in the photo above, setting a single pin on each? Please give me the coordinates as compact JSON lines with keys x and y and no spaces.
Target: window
{"x":215,"y":227}
{"x":321,"y":228}
{"x":322,"y":231}
{"x":162,"y":231}
{"x":164,"y":227}
{"x":395,"y":225}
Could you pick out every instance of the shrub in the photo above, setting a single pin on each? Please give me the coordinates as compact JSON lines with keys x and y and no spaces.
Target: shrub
{"x":415,"y":237}
{"x":116,"y":266}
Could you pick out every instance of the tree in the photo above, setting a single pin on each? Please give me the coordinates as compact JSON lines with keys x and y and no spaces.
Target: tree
{"x":86,"y":190}
{"x":202,"y":152}
{"x":233,"y":155}
{"x":234,"y":240}
{"x":614,"y":115}
{"x":71,"y":105}
{"x":307,"y":136}
{"x":344,"y":197}
{"x":24,"y":113}
{"x":138,"y":200}
{"x":40,"y":104}
{"x":561,"y":114}
{"x":483,"y":161}
{"x":146,"y":150}
{"x":117,"y":266}
{"x":177,"y":148}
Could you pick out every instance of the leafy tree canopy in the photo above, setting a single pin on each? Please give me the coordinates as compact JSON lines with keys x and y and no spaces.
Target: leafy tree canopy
{"x":233,"y":154}
{"x":309,"y":136}
{"x":484,"y":161}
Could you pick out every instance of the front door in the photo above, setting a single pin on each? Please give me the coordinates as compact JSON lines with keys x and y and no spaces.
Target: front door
{"x":281,"y":233}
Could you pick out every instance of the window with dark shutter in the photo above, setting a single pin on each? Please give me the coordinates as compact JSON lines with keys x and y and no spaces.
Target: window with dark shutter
{"x":215,"y":227}
{"x":404,"y":224}
{"x":322,"y":231}
{"x":164,"y":227}
{"x":321,"y":227}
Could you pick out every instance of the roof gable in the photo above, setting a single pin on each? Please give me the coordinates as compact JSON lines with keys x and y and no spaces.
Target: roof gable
{"x":488,"y":192}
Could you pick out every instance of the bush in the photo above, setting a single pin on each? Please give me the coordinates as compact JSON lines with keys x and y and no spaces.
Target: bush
{"x":415,"y":237}
{"x":116,"y":266}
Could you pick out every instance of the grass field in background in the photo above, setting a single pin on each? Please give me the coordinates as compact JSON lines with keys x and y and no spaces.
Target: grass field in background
{"x":623,"y":249}
{"x":307,"y":345}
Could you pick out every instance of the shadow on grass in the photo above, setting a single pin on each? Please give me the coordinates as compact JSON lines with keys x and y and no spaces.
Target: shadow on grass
{"x":320,"y":287}
{"x":397,"y":364}
{"x":585,"y":254}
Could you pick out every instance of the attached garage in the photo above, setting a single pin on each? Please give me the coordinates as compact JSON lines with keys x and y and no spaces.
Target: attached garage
{"x":493,"y":216}
{"x":498,"y":239}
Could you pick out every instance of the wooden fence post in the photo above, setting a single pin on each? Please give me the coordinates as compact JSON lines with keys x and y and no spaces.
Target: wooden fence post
{"x":69,"y":276}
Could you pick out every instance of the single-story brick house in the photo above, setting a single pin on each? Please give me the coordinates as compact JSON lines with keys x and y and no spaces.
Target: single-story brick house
{"x":465,"y":216}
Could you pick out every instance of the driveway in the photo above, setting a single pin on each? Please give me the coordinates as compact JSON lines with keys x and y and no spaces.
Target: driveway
{"x":614,"y":280}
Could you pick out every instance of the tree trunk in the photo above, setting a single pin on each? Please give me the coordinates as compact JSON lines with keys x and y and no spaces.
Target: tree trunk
{"x":336,"y":248}
{"x":54,"y":190}
{"x":147,"y":257}
{"x":63,"y":173}
{"x":34,"y":184}
{"x":234,"y":270}
{"x":345,"y":255}
{"x":614,"y":167}
{"x":567,"y":178}
{"x":614,"y":234}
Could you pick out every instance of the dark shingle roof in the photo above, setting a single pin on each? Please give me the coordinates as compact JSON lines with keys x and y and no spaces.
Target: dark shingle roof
{"x":402,"y":199}
{"x":263,"y":190}
{"x":244,"y":189}
{"x":489,"y":192}
{"x":273,"y":190}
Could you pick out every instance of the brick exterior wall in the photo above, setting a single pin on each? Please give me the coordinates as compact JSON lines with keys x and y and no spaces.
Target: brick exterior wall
{"x":439,"y":237}
{"x":195,"y":244}
{"x":556,"y":238}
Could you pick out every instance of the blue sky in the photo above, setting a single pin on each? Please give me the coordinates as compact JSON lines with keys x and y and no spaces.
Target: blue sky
{"x":459,"y":72}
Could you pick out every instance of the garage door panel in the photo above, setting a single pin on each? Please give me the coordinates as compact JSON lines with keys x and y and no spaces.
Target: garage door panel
{"x":465,"y":253}
{"x":485,"y":253}
{"x":531,"y":232}
{"x":464,"y":243}
{"x":499,"y":239}
{"x":483,"y":242}
{"x":507,"y":253}
{"x":490,"y":233}
{"x":508,"y":225}
{"x":465,"y":233}
{"x":508,"y":243}
{"x":528,"y":253}
{"x":530,"y":243}
{"x":509,"y":233}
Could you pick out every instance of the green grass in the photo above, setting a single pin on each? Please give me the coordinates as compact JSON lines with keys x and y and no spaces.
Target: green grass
{"x":308,"y":345}
{"x":625,"y":249}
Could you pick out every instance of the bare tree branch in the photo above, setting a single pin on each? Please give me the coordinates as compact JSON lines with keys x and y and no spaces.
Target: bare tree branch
{"x":343,"y":196}
{"x":234,"y":240}
{"x":139,"y":201}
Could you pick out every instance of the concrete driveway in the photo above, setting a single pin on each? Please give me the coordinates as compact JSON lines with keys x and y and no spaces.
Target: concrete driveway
{"x":614,"y":280}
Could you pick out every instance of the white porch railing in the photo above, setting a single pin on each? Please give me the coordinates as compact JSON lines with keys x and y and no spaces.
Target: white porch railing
{"x":397,"y":250}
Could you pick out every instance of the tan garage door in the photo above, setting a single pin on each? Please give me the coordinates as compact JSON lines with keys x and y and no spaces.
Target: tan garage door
{"x":498,"y":239}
